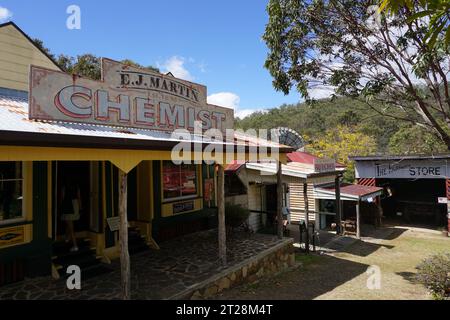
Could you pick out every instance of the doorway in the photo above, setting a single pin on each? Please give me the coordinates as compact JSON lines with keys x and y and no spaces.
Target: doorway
{"x":77,"y":173}
{"x":271,"y":203}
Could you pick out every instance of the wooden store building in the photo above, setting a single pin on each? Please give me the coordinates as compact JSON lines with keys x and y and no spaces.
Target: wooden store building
{"x":105,"y":136}
{"x":416,"y":187}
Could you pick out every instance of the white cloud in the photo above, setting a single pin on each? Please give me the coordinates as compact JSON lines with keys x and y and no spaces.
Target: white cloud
{"x":320,"y":92}
{"x":5,"y":14}
{"x":231,"y":100}
{"x":176,"y":65}
{"x":225,"y":99}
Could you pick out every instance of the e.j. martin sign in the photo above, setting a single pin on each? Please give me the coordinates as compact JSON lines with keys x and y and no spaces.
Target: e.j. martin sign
{"x":126,"y":96}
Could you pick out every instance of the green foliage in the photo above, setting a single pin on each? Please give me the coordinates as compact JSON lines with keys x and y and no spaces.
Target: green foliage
{"x":339,"y":45}
{"x":40,"y":44}
{"x":235,"y":215}
{"x":437,"y":11}
{"x":86,"y":65}
{"x":313,"y":120}
{"x":434,"y":273}
{"x":340,"y":143}
{"x":415,"y":140}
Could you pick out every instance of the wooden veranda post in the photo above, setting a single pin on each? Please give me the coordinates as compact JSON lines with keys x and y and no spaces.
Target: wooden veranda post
{"x":305,"y":199}
{"x":221,"y":214}
{"x":337,"y":188}
{"x":279,"y":201}
{"x":358,"y":220}
{"x":123,"y":236}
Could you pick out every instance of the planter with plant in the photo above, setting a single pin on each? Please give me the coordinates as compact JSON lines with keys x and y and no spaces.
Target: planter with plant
{"x":235,"y":216}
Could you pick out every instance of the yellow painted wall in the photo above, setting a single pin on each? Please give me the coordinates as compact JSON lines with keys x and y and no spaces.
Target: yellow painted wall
{"x":17,"y":53}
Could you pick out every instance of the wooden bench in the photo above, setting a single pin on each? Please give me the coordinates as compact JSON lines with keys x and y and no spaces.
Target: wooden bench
{"x":348,"y":226}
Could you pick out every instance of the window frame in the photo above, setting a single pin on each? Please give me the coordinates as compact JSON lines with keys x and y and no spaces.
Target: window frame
{"x":180,"y":198}
{"x":22,"y":218}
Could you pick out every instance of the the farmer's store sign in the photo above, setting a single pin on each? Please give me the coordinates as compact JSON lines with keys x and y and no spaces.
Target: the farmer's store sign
{"x":126,"y":96}
{"x":431,"y":169}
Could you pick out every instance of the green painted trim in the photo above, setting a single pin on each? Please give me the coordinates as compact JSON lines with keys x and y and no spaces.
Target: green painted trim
{"x":132,"y":195}
{"x":157,"y":189}
{"x":109,"y":235}
{"x":39,"y":259}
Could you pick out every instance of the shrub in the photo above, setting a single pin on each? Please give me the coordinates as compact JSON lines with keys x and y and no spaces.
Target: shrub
{"x":235,"y":215}
{"x":434,"y":273}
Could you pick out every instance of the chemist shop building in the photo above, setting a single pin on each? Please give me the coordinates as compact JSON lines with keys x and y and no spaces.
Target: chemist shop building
{"x":56,"y":127}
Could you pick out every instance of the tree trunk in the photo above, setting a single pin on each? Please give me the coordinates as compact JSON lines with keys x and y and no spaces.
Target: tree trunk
{"x":123,"y":237}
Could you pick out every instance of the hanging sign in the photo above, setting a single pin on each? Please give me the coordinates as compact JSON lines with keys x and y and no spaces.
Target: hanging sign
{"x":324,"y":165}
{"x":126,"y":97}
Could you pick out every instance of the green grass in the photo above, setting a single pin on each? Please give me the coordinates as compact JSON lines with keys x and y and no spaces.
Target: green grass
{"x":307,"y":259}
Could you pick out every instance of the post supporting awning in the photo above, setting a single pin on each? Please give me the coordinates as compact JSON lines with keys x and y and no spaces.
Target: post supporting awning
{"x":279,"y":201}
{"x":123,"y":236}
{"x":222,"y":237}
{"x":305,"y":199}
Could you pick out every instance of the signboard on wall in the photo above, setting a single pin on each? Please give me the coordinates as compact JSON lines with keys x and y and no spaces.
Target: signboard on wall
{"x":10,"y":236}
{"x":324,"y":165}
{"x":127,"y":97}
{"x":180,"y":207}
{"x":209,"y":186}
{"x":113,"y":223}
{"x":407,"y":169}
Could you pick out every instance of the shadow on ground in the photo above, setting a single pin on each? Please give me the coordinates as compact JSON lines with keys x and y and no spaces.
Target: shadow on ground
{"x":316,"y":275}
{"x":363,"y":248}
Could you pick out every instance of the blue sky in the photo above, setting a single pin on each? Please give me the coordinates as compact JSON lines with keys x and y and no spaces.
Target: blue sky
{"x":215,"y":43}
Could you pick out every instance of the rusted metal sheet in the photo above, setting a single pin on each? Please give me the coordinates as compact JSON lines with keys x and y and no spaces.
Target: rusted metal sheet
{"x":126,"y":97}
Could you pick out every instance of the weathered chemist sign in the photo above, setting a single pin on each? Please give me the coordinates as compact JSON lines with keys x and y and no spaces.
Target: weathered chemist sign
{"x":126,"y":96}
{"x":419,"y":169}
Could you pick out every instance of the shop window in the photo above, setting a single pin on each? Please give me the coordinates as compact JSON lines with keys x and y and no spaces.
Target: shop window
{"x":233,"y":185}
{"x":179,"y":181}
{"x":11,"y":191}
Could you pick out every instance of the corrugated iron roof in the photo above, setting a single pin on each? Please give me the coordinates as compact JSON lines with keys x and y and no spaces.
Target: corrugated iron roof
{"x":306,"y":158}
{"x":354,"y":191}
{"x":14,"y":119}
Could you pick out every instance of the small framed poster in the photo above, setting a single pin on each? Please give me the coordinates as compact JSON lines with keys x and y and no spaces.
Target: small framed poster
{"x":113,"y":223}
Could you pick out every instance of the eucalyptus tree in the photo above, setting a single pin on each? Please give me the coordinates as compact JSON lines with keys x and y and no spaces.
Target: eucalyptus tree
{"x":347,"y":48}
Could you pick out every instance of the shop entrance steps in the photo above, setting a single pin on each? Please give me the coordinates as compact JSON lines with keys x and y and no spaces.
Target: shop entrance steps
{"x":85,"y":258}
{"x":136,"y":241}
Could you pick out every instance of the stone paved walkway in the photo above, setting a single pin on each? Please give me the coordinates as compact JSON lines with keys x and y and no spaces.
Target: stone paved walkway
{"x":155,"y":274}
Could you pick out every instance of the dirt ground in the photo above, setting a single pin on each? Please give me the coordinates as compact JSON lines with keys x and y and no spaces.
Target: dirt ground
{"x":395,"y":251}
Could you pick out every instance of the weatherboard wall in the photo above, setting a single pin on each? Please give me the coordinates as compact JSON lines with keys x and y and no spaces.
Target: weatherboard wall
{"x":17,"y":53}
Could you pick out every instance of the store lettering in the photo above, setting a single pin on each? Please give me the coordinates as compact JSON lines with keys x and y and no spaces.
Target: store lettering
{"x":79,"y":102}
{"x":424,"y":171}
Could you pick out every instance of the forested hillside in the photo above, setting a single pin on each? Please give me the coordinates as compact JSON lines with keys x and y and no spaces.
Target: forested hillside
{"x":318,"y":120}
